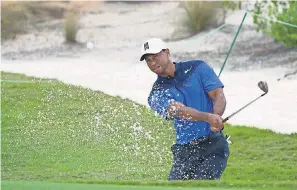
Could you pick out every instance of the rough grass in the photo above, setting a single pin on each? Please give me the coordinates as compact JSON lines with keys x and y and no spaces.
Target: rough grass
{"x":63,"y":133}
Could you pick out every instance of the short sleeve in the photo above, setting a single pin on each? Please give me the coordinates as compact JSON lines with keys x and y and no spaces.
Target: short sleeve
{"x":159,"y":101}
{"x":210,"y":80}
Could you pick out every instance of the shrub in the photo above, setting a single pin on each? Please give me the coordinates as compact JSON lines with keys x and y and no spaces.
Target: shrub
{"x":18,"y":16}
{"x":13,"y":19}
{"x":200,"y":14}
{"x":204,"y":14}
{"x":71,"y":26}
{"x":282,"y":11}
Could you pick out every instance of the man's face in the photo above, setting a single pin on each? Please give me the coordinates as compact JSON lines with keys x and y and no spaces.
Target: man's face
{"x":158,"y":63}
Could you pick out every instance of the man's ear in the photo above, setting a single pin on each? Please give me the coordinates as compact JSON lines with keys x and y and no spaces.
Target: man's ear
{"x":167,"y":51}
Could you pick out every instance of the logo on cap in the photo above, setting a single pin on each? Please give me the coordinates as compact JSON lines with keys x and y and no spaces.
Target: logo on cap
{"x":146,"y":46}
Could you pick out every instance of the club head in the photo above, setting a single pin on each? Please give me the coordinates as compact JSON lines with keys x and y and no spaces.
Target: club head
{"x":263,"y":86}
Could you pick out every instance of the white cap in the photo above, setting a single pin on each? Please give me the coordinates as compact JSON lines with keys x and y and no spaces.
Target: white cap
{"x":152,"y":46}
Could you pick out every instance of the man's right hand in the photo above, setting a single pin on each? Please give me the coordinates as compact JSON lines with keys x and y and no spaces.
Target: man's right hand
{"x":178,"y":109}
{"x":215,"y":121}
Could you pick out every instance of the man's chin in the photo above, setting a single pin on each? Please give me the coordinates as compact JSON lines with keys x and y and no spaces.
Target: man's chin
{"x":158,"y":71}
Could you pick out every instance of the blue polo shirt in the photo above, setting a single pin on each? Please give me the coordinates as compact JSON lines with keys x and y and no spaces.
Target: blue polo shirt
{"x":190,"y":84}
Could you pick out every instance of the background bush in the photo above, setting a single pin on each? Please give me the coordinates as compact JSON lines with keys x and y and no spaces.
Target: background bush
{"x":282,"y":11}
{"x":71,"y":26}
{"x":18,"y":17}
{"x":201,"y":15}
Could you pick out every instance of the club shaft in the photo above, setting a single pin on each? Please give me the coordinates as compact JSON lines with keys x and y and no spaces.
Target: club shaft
{"x":227,"y":118}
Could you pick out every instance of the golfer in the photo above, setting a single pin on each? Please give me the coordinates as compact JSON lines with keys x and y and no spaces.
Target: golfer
{"x":191,"y":94}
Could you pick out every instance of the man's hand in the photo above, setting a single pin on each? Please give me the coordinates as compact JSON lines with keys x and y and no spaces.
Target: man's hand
{"x":177,"y":109}
{"x":215,"y":121}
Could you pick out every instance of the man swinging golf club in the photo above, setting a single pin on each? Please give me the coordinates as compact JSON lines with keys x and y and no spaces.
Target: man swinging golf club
{"x":192,"y":95}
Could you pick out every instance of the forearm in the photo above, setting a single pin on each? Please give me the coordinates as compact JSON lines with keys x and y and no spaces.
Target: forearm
{"x":181,"y":111}
{"x":219,"y":105}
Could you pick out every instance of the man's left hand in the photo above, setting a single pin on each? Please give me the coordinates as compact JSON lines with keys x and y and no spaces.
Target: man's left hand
{"x":216,"y":122}
{"x":216,"y":127}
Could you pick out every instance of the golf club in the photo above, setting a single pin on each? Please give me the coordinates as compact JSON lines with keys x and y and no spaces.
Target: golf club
{"x":263,"y":86}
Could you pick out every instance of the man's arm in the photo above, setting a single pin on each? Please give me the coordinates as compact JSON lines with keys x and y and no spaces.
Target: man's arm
{"x":219,"y":100}
{"x":213,"y":86}
{"x":177,"y":109}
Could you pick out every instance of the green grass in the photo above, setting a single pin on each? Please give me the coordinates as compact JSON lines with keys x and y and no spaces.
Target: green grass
{"x":62,"y":133}
{"x":21,"y":185}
